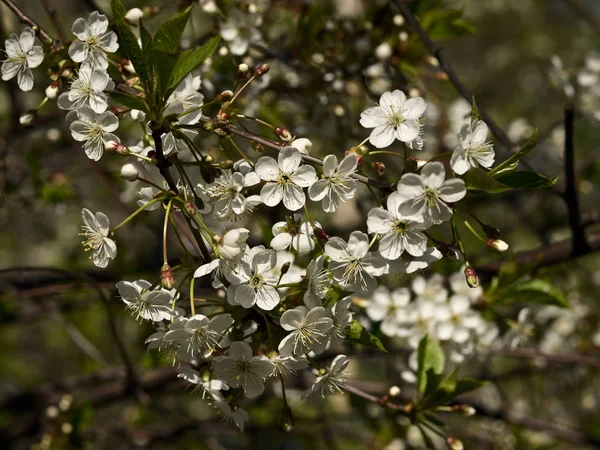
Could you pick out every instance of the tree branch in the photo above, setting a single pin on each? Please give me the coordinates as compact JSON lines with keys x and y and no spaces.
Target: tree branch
{"x":51,"y":10}
{"x":162,"y":163}
{"x":580,"y":245}
{"x":24,"y":18}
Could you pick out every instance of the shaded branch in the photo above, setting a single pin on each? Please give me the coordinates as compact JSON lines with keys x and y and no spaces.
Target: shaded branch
{"x":25,"y":19}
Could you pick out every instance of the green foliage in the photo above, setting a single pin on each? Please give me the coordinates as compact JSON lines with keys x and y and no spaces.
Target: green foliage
{"x":129,"y":101}
{"x":359,"y":335}
{"x":442,"y":22}
{"x":478,"y":179}
{"x":532,"y":291}
{"x":511,"y":163}
{"x":430,"y":357}
{"x":167,"y":37}
{"x":475,"y":111}
{"x":334,"y":294}
{"x":525,"y":180}
{"x":189,"y":60}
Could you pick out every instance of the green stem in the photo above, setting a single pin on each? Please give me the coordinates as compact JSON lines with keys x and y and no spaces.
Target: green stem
{"x":385,"y":152}
{"x":154,"y":185}
{"x":192,"y":307}
{"x":165,"y":226}
{"x":239,"y":150}
{"x":139,"y":210}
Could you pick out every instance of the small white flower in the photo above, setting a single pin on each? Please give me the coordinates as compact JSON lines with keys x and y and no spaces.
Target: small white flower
{"x":352,"y":264}
{"x":95,"y":130}
{"x":199,"y":334}
{"x":342,"y":319}
{"x":285,"y":179}
{"x":332,"y":382}
{"x":146,"y":195}
{"x":237,"y":416}
{"x":431,"y":255}
{"x":456,"y":320}
{"x":255,"y":280}
{"x":210,"y":389}
{"x":87,"y":89}
{"x":295,"y":233}
{"x":144,"y":303}
{"x":473,"y":148}
{"x":308,"y":331}
{"x":233,"y":244}
{"x":94,"y":41}
{"x":95,"y":230}
{"x":288,"y":365}
{"x":399,"y":233}
{"x":240,"y":30}
{"x":394,"y":118}
{"x":336,"y":184}
{"x":590,"y":74}
{"x":303,"y":145}
{"x":388,"y":308}
{"x":425,"y":196}
{"x":23,"y":55}
{"x":241,"y":369}
{"x":226,"y":192}
{"x":133,"y":16}
{"x":430,"y":289}
{"x":318,"y":283}
{"x":186,"y":99}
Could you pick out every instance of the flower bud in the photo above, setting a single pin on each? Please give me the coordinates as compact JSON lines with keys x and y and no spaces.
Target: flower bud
{"x":227,"y":164}
{"x":465,"y":410}
{"x":133,"y":16}
{"x":321,"y":235}
{"x":137,"y":115}
{"x":53,"y":76}
{"x":52,"y":90}
{"x":222,"y":115}
{"x":303,"y":145}
{"x":67,"y":73}
{"x":243,"y":70}
{"x":379,"y":167}
{"x":360,"y":150}
{"x":398,"y":20}
{"x":283,"y":134}
{"x":27,"y":119}
{"x":383,"y":51}
{"x":455,"y":444}
{"x":491,"y":232}
{"x":127,"y":66}
{"x":115,"y":147}
{"x":261,"y":70}
{"x":150,"y":11}
{"x":394,"y":391}
{"x":497,"y":245}
{"x":471,"y":276}
{"x":166,"y":277}
{"x":225,"y":96}
{"x":129,"y":172}
{"x":190,"y":208}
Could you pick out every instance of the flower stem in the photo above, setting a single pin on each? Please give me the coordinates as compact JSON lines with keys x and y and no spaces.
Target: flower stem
{"x":154,"y":185}
{"x":386,"y":152}
{"x":165,"y":226}
{"x":239,"y":150}
{"x":192,"y":307}
{"x":139,"y":210}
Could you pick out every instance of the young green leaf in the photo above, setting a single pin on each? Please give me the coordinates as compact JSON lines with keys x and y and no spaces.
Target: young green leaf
{"x":129,"y":101}
{"x":430,"y":356}
{"x":188,"y":61}
{"x":525,"y":180}
{"x":478,"y":179}
{"x":475,"y":111}
{"x":512,"y":162}
{"x":168,"y":36}
{"x":359,"y":335}
{"x":532,"y":291}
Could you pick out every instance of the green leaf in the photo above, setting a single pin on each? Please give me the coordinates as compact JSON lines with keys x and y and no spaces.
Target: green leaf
{"x":128,"y":100}
{"x":430,"y":356}
{"x":512,"y":162}
{"x":477,"y":179}
{"x":465,"y":385}
{"x":128,"y":42}
{"x":475,"y":111}
{"x":334,"y":294}
{"x":168,"y":36}
{"x":164,"y":64}
{"x":532,"y":291}
{"x":525,"y":180}
{"x":359,"y":335}
{"x":189,"y":60}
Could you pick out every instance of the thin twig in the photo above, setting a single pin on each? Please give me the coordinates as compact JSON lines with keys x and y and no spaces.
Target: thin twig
{"x":24,"y":18}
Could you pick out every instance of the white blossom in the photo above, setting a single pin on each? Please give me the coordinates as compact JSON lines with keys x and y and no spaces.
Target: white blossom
{"x":331,"y":382}
{"x":473,"y":148}
{"x":255,"y":280}
{"x":398,"y":232}
{"x":94,"y":41}
{"x":295,"y":233}
{"x":240,"y":30}
{"x":342,"y":319}
{"x":23,"y":56}
{"x":95,"y":130}
{"x":288,"y":365}
{"x":425,"y":196}
{"x":456,"y":320}
{"x":96,"y":229}
{"x":146,"y":195}
{"x":352,"y":264}
{"x":285,"y":179}
{"x":394,"y":118}
{"x":303,"y":145}
{"x":336,"y":184}
{"x":389,"y":308}
{"x":145,"y":303}
{"x":87,"y":90}
{"x":318,"y":282}
{"x":199,"y":334}
{"x":308,"y":331}
{"x":240,"y":369}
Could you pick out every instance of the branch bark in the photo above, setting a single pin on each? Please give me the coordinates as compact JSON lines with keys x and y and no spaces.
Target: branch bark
{"x":24,"y":18}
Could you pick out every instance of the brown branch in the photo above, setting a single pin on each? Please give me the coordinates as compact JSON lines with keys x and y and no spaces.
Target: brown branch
{"x":51,"y":10}
{"x":162,"y":162}
{"x":24,"y":18}
{"x":580,"y":245}
{"x":278,"y":146}
{"x":543,"y":256}
{"x":382,"y":401}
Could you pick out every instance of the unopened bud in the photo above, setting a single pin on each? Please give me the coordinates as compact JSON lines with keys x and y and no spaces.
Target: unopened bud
{"x":52,"y":90}
{"x":360,"y":150}
{"x":383,"y":51}
{"x":129,"y":172}
{"x":303,"y":145}
{"x":67,"y":73}
{"x":243,"y":70}
{"x":442,"y":76}
{"x":283,"y":134}
{"x":455,"y":444}
{"x":465,"y":410}
{"x":321,"y":235}
{"x":261,"y":70}
{"x":150,"y":11}
{"x":27,"y":119}
{"x":471,"y":276}
{"x":115,"y":147}
{"x":379,"y":167}
{"x":288,"y":419}
{"x":54,"y":76}
{"x":208,"y":159}
{"x":285,"y":268}
{"x":127,"y":66}
{"x":225,"y":96}
{"x":227,"y":164}
{"x":166,"y":277}
{"x":491,"y":232}
{"x":133,"y":16}
{"x":394,"y":391}
{"x":223,"y":115}
{"x":497,"y":244}
{"x":190,"y":208}
{"x":137,"y":115}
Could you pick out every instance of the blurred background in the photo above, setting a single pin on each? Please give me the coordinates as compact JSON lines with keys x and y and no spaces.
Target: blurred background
{"x":67,"y":343}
